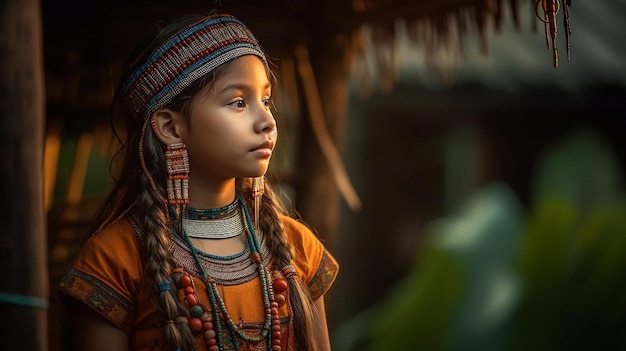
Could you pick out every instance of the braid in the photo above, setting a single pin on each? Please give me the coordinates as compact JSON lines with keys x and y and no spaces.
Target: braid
{"x":159,"y":261}
{"x":304,"y":313}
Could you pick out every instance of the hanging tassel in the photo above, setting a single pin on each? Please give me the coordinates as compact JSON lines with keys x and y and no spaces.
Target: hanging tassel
{"x":550,"y":8}
{"x":258,"y":188}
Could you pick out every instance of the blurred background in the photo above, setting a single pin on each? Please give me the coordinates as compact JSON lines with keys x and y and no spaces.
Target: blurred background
{"x":472,"y":192}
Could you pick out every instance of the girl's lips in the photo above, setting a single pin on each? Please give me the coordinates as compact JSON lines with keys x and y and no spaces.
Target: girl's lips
{"x":268,"y":144}
{"x":265,"y":149}
{"x":263,"y":152}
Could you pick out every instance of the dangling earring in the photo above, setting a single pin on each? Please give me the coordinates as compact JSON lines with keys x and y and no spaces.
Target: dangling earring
{"x":177,"y":161}
{"x":258,"y":188}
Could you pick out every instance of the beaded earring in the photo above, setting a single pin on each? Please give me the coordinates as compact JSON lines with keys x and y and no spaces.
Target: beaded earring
{"x":178,"y":174}
{"x":258,"y":188}
{"x":177,"y":161}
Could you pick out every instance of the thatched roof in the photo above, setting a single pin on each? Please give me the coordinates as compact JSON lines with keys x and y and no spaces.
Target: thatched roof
{"x":85,"y":42}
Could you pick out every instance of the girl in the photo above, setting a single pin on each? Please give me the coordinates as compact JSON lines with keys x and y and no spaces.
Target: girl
{"x":193,"y":250}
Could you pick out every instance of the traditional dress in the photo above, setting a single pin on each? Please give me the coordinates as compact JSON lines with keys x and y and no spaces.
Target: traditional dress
{"x":108,"y":276}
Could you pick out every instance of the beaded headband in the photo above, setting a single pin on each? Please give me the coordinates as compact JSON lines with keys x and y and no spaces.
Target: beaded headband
{"x":185,"y":57}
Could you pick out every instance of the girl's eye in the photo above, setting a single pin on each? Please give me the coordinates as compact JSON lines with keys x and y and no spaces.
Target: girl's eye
{"x":238,"y":103}
{"x":267,"y":102}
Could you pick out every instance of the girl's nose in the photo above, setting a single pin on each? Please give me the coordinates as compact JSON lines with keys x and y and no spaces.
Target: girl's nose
{"x":266,"y":122}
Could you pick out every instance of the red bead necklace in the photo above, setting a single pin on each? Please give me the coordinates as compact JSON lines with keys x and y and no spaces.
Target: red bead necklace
{"x":208,"y":321}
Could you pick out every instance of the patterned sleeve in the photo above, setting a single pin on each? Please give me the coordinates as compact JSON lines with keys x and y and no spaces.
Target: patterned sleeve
{"x":105,"y":275}
{"x":315,"y":265}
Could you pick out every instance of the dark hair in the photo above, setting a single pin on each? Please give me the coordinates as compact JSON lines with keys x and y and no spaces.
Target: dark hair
{"x":141,"y":192}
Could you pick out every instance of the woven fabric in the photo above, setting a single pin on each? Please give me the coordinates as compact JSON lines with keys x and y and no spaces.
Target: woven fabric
{"x":187,"y":56}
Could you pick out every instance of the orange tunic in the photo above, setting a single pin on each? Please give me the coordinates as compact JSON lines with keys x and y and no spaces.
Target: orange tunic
{"x":107,"y":275}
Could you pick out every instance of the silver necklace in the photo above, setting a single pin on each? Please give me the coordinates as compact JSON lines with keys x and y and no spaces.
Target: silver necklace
{"x":224,"y":223}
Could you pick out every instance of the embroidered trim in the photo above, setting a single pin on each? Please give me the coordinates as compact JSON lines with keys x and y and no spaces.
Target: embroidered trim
{"x":97,"y":295}
{"x":324,"y":276}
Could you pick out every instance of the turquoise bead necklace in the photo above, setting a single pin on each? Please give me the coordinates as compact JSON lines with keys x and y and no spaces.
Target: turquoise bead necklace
{"x":271,"y":328}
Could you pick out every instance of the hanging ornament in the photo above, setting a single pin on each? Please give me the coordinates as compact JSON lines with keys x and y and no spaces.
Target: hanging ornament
{"x":546,"y":11}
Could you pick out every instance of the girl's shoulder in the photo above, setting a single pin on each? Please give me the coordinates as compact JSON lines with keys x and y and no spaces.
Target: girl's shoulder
{"x":121,"y":231}
{"x":116,"y":240}
{"x":293,"y":223}
{"x":315,"y":265}
{"x":296,"y":230}
{"x":106,"y":274}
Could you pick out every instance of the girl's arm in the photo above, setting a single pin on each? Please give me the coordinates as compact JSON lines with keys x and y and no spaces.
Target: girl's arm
{"x":322,"y":334}
{"x":93,"y":332}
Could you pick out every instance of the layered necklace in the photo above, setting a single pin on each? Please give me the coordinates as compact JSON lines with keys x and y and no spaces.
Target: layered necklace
{"x":222,"y":223}
{"x":219,"y":223}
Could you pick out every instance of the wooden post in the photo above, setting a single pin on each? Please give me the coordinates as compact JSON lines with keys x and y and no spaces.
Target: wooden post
{"x":317,"y":192}
{"x":23,"y":249}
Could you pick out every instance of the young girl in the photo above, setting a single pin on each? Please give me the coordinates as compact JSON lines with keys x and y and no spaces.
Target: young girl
{"x":192,"y":250}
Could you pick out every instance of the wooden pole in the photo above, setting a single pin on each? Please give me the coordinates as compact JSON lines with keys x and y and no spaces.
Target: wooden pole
{"x":320,"y":130}
{"x":23,"y":249}
{"x":319,"y":183}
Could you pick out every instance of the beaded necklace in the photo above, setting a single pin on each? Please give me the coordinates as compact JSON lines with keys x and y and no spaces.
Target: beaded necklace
{"x":218,"y":223}
{"x":209,"y":324}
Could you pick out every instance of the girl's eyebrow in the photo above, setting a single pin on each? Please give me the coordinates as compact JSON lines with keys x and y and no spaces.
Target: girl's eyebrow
{"x":241,"y":86}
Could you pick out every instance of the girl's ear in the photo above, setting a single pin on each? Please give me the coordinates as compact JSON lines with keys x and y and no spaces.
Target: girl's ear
{"x":167,"y":125}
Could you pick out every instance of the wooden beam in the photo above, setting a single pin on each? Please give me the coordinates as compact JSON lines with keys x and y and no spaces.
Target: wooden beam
{"x":23,"y":249}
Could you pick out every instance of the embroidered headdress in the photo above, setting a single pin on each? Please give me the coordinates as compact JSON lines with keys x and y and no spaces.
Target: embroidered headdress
{"x":185,"y":57}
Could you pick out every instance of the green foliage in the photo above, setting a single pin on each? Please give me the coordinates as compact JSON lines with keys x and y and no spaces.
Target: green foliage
{"x":571,"y":258}
{"x":460,"y":287}
{"x":492,"y":277}
{"x":422,"y":308}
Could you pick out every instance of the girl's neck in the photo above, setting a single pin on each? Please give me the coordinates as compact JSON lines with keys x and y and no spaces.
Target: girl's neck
{"x":211,"y":195}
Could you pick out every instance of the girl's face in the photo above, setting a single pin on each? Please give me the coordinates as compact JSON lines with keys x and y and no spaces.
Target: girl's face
{"x":231,"y":131}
